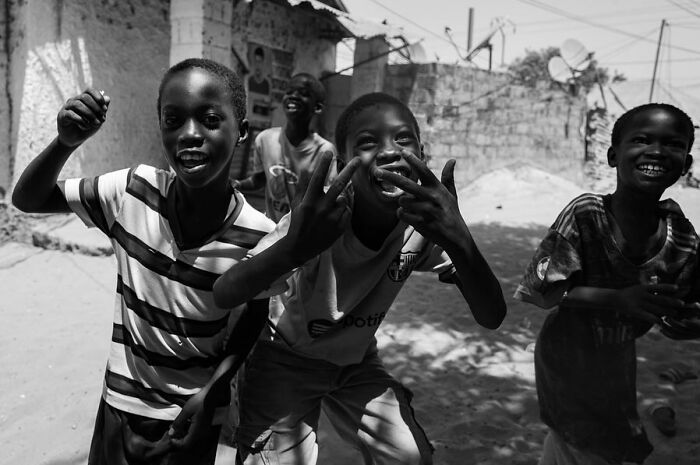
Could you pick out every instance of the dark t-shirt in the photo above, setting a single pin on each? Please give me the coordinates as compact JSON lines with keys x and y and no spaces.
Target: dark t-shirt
{"x":585,"y":360}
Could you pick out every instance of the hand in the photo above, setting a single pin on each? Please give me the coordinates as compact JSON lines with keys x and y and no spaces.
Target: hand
{"x":193,"y":422}
{"x":431,"y":206}
{"x":81,"y":117}
{"x":320,"y":218}
{"x":650,"y":302}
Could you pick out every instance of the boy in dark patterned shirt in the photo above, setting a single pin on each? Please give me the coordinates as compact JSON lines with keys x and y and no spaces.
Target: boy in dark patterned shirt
{"x":614,"y":265}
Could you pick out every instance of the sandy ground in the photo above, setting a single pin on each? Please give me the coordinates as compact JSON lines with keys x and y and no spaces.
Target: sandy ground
{"x":474,"y":388}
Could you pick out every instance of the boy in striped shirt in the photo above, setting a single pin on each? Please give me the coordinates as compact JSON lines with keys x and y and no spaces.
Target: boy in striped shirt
{"x":173,"y":352}
{"x":614,"y":265}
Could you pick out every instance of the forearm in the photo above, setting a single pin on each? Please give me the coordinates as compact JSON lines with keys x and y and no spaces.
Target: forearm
{"x":241,"y":341}
{"x":37,"y":190}
{"x":245,"y":280}
{"x":477,"y":283}
{"x":586,"y":297}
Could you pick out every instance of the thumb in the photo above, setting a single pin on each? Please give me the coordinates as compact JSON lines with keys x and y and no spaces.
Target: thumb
{"x":179,"y":426}
{"x":448,"y":177}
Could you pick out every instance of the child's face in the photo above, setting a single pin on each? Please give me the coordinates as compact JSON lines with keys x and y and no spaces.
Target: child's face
{"x":300,"y":100}
{"x":378,"y":135}
{"x":652,"y":153}
{"x":198,"y":127}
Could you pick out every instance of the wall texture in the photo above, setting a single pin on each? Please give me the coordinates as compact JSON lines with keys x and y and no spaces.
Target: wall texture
{"x":61,"y":47}
{"x":486,"y":122}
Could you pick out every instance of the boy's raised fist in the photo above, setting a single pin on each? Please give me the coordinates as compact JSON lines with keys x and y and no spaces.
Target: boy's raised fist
{"x":81,"y":116}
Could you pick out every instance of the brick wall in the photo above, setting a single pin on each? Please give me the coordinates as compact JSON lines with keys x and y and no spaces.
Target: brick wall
{"x":485,"y":122}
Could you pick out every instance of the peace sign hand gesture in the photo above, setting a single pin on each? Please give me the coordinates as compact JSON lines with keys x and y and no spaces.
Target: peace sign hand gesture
{"x":321,"y":217}
{"x":431,"y":206}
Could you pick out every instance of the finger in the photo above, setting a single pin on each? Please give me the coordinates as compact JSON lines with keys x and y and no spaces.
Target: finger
{"x":315,"y":188}
{"x":418,"y":165}
{"x":341,"y":181}
{"x":448,"y":176}
{"x":648,"y":317}
{"x":413,"y":219}
{"x":96,"y":108}
{"x":85,"y":112}
{"x":662,"y":288}
{"x":98,"y":96}
{"x":71,"y":117}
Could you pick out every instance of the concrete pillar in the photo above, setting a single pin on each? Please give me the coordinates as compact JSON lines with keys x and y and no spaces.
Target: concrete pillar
{"x":201,"y":29}
{"x":369,"y":77}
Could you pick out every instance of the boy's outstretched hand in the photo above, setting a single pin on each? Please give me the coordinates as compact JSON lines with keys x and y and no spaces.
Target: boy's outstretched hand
{"x":81,"y":116}
{"x":321,"y":217}
{"x":431,"y":206}
{"x":651,"y":302}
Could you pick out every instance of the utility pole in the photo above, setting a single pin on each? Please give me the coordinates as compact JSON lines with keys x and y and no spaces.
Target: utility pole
{"x":656,"y":60}
{"x":470,"y":29}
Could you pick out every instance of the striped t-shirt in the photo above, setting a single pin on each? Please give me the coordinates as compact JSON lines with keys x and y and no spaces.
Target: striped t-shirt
{"x":168,"y":335}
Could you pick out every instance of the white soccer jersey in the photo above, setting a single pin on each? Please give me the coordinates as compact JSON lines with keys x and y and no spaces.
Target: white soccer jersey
{"x":168,"y":334}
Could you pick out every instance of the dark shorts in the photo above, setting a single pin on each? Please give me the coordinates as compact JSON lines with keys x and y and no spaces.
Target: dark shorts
{"x":122,"y":438}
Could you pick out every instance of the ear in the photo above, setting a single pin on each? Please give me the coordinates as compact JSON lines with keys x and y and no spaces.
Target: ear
{"x":612,"y":157}
{"x":318,"y":108}
{"x":688,"y":164}
{"x":242,"y":132}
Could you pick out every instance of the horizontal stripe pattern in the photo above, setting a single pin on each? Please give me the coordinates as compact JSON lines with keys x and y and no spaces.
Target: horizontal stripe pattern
{"x":167,"y":334}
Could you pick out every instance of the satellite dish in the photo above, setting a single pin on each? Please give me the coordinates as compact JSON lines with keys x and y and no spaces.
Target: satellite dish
{"x":417,"y":53}
{"x":575,"y":54}
{"x":559,"y":70}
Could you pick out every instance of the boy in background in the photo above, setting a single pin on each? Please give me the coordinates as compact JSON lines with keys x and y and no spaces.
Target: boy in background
{"x":614,"y":265}
{"x":173,"y":352}
{"x":284,"y":156}
{"x":349,"y":263}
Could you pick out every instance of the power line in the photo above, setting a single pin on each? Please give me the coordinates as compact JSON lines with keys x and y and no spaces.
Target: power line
{"x":557,"y":11}
{"x":682,"y":7}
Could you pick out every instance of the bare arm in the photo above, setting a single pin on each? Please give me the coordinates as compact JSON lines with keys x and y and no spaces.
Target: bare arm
{"x":314,"y":225}
{"x":251,"y":183}
{"x":432,"y":209}
{"x":38,"y":190}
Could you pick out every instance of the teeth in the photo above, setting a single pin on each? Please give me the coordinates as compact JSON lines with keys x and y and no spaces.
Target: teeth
{"x":652,"y":169}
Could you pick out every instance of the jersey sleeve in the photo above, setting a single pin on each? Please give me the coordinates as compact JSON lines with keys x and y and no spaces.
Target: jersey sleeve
{"x":554,"y":267}
{"x":437,"y":261}
{"x":97,"y":200}
{"x":257,"y":156}
{"x":279,"y":286}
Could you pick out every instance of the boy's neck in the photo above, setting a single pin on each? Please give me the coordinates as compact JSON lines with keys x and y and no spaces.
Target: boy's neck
{"x":370,"y":226}
{"x":639,"y":221}
{"x":200,"y":212}
{"x":296,"y":131}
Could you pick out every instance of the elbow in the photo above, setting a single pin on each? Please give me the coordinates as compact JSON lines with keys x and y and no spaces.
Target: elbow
{"x":493,"y":317}
{"x":21,"y":202}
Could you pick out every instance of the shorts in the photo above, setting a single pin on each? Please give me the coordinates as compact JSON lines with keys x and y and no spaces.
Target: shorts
{"x":281,"y":396}
{"x":122,"y":438}
{"x":556,"y":451}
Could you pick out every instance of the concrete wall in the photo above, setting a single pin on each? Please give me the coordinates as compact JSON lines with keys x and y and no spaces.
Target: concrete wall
{"x":485,"y":122}
{"x":59,"y":48}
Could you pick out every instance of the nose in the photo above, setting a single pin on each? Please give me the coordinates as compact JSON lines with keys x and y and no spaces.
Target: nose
{"x":191,"y":136}
{"x":388,"y":154}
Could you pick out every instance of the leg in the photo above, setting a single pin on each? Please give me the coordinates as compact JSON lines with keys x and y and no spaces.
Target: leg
{"x":557,"y":452}
{"x":280,"y":400}
{"x":372,"y":410}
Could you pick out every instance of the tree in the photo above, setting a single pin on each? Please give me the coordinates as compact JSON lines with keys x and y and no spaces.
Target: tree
{"x":532,"y":69}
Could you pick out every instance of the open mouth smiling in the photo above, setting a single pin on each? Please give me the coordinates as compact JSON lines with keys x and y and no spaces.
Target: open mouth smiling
{"x":388,"y":189}
{"x":652,"y":169}
{"x":192,"y":160}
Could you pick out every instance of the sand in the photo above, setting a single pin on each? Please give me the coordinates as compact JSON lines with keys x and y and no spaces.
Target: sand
{"x":474,"y":388}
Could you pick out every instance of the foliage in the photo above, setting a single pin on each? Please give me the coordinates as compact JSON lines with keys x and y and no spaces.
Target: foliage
{"x":532,"y":69}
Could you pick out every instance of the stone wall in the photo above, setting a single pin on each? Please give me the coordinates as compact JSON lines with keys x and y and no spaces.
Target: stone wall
{"x":486,"y":122}
{"x":60,"y":48}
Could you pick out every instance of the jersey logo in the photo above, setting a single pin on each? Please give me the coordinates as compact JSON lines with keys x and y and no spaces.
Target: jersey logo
{"x":401,"y":266}
{"x":542,"y":266}
{"x":289,"y":175}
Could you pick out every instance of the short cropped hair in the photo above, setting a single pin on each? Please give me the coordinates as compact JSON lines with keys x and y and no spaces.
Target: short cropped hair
{"x":316,"y":86}
{"x":360,"y":104}
{"x":227,"y":76}
{"x":623,"y":121}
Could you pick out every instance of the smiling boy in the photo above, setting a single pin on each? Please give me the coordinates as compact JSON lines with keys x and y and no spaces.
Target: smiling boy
{"x":173,"y":351}
{"x":614,"y":265}
{"x":284,"y":156}
{"x":349,"y":264}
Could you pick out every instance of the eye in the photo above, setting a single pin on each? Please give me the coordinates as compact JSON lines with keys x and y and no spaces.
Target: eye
{"x":211,"y":120}
{"x":639,"y":140}
{"x":365,"y":142}
{"x":405,"y":137}
{"x":170,"y":121}
{"x":678,"y":144}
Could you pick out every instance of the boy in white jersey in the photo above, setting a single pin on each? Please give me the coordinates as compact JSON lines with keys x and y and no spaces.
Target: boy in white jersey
{"x":349,"y":264}
{"x":173,"y":352}
{"x":284,"y":156}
